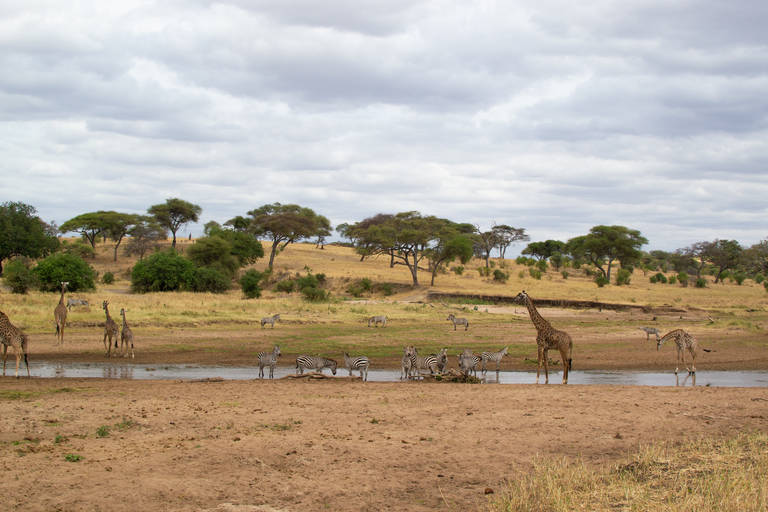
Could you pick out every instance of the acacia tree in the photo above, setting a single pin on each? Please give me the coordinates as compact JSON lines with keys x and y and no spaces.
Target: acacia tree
{"x":454,"y":241}
{"x":723,"y":254}
{"x":143,"y":236}
{"x":89,"y":225}
{"x":604,"y":244}
{"x":118,"y":225}
{"x":284,"y":224}
{"x":506,"y":236}
{"x":484,"y":243}
{"x":696,"y":255}
{"x":174,"y":213}
{"x":544,"y":250}
{"x":23,"y":233}
{"x":368,"y":234}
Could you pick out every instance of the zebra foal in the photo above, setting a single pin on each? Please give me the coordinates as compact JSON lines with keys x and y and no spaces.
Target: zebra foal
{"x":268,"y":359}
{"x":357,"y":363}
{"x":408,"y":363}
{"x":314,"y":363}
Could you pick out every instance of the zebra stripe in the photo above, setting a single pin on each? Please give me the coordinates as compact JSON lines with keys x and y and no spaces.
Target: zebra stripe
{"x":376,"y":320}
{"x":494,"y":357}
{"x":458,"y":321}
{"x":408,"y":363}
{"x":425,"y":362}
{"x":270,"y":320}
{"x":314,"y":363}
{"x":442,"y":359}
{"x":268,"y":359}
{"x":357,"y":363}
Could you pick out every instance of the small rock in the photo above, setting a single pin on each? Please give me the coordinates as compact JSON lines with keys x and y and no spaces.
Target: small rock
{"x":488,"y":490}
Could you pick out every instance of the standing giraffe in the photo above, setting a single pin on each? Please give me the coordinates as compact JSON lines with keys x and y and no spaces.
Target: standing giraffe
{"x":60,"y":315}
{"x":11,"y":335}
{"x":548,"y":337}
{"x":684,"y":341}
{"x":110,"y":330}
{"x":126,"y":336}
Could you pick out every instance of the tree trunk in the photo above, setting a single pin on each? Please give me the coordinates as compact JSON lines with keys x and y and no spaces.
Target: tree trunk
{"x":608,"y":275}
{"x":173,"y":244}
{"x":272,"y":254}
{"x":391,"y":258}
{"x":487,"y":260}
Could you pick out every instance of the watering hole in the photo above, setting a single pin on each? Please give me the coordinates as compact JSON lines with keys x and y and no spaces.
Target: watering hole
{"x":613,"y":377}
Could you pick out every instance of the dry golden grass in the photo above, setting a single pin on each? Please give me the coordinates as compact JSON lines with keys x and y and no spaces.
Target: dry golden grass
{"x":702,"y":475}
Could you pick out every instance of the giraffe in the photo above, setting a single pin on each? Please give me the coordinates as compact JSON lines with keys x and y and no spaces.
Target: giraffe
{"x":548,"y":337}
{"x":11,"y":335}
{"x":110,"y":330}
{"x":684,"y":341}
{"x":126,"y":336}
{"x":60,"y":315}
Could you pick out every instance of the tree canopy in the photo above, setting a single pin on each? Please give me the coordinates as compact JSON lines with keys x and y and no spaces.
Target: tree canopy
{"x":283,"y":224}
{"x":605,"y":244}
{"x":544,"y":250}
{"x":23,"y":233}
{"x":89,"y":225}
{"x":174,"y":213}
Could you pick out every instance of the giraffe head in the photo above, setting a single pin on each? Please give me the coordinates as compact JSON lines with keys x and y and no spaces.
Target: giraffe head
{"x":521,"y":297}
{"x":64,"y":285}
{"x":104,"y":305}
{"x":123,"y":311}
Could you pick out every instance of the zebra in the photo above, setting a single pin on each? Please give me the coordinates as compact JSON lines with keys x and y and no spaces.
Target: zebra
{"x":442,"y":359}
{"x":425,"y":362}
{"x":650,"y":330}
{"x":314,"y":363}
{"x":408,"y":363}
{"x":357,"y":363}
{"x":76,"y":302}
{"x":270,"y":320}
{"x":268,"y":359}
{"x":494,"y":357}
{"x":468,"y":362}
{"x":458,"y":321}
{"x":376,"y":320}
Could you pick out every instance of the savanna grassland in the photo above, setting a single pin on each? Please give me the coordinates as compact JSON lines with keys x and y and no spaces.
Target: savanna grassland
{"x":98,"y":444}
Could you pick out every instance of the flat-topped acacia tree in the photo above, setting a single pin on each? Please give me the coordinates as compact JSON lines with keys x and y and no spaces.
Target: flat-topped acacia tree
{"x":283,"y":224}
{"x":174,"y":213}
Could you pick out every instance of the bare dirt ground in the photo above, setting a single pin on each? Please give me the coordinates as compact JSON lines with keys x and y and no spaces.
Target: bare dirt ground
{"x":93,"y":444}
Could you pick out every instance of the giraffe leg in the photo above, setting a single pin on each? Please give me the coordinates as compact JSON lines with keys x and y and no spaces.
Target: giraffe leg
{"x":546,"y":366}
{"x":566,"y":367}
{"x":538,"y":367}
{"x":5,"y":356}
{"x":17,"y":350}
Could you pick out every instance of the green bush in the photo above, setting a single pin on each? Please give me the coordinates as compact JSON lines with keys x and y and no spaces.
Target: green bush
{"x":672,"y":279}
{"x":542,"y":265}
{"x":59,"y":267}
{"x":484,"y":271}
{"x":739,"y":276}
{"x":565,"y":274}
{"x":500,"y":276}
{"x":19,"y":277}
{"x":658,"y":278}
{"x":359,"y":287}
{"x":314,"y":294}
{"x":701,"y":282}
{"x":601,"y":281}
{"x":78,"y":248}
{"x":535,"y":273}
{"x":250,"y":283}
{"x":386,"y":289}
{"x":108,"y":278}
{"x":214,"y":252}
{"x":765,"y":285}
{"x":623,"y":276}
{"x":759,"y":278}
{"x":285,"y":286}
{"x":164,"y":271}
{"x":208,"y":279}
{"x":458,"y":269}
{"x":683,"y":278}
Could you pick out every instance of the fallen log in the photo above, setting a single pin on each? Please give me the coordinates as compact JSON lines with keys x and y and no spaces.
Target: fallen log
{"x":319,"y":376}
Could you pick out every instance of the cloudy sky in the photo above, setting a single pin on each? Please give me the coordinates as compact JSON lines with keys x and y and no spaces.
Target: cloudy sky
{"x":542,"y":114}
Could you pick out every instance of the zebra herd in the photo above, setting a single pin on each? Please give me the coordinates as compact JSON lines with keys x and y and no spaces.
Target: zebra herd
{"x":413,"y":365}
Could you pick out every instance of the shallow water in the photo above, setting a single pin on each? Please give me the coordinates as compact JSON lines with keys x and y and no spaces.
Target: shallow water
{"x":613,"y":377}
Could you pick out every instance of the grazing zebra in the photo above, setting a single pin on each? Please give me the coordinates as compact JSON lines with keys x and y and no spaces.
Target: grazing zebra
{"x":268,"y":359}
{"x":648,"y":331}
{"x":270,"y":320}
{"x":493,"y":357}
{"x":314,"y":363}
{"x":468,"y":362}
{"x":408,"y":363}
{"x":76,"y":302}
{"x":376,"y":320}
{"x":357,"y":363}
{"x":442,"y":359}
{"x":425,"y":362}
{"x":458,"y":321}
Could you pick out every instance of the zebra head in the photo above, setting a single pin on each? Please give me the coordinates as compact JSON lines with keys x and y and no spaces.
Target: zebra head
{"x":276,"y":351}
{"x":333,"y":366}
{"x":450,"y":317}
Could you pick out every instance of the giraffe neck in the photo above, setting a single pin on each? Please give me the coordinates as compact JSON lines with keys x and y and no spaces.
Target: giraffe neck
{"x":536,"y":318}
{"x":61,"y":299}
{"x":109,"y":318}
{"x":125,"y":322}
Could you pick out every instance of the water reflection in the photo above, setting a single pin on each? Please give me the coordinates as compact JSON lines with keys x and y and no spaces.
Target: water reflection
{"x":617,"y":377}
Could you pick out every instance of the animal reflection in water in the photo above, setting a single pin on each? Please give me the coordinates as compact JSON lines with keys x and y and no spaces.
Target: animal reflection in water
{"x":117,"y":372}
{"x":688,"y":377}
